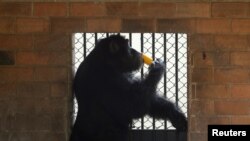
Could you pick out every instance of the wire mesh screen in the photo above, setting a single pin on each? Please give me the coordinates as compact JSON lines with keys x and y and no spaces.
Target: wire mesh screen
{"x":169,"y":47}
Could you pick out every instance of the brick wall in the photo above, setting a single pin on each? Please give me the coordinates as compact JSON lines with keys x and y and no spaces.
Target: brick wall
{"x":35,"y":59}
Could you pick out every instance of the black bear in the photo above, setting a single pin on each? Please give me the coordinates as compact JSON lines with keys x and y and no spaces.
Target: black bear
{"x":109,"y":96}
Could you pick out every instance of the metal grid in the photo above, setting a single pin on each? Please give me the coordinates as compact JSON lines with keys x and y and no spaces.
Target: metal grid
{"x":170,"y":47}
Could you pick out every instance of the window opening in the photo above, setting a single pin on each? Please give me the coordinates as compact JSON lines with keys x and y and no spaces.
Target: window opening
{"x":170,"y":47}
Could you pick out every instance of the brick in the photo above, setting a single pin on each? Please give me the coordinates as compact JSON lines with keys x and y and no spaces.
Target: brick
{"x":241,"y":26}
{"x":7,"y":25}
{"x":58,"y":106}
{"x":202,"y":122}
{"x":88,"y":9}
{"x":104,"y":25}
{"x":35,"y":123}
{"x":231,"y":42}
{"x":4,"y":136}
{"x":138,"y":25}
{"x":16,"y":74}
{"x":193,"y":10}
{"x":50,"y":9}
{"x":240,"y":120}
{"x":51,"y":74}
{"x":200,"y":136}
{"x":240,"y":58}
{"x":40,"y":106}
{"x":192,"y":124}
{"x":38,"y":136}
{"x":213,"y":26}
{"x":31,"y":105}
{"x":212,"y":91}
{"x":69,"y":25}
{"x":240,"y":91}
{"x":202,"y":75}
{"x":231,"y":107}
{"x":122,"y":8}
{"x":33,"y":89}
{"x":58,"y":123}
{"x":229,"y":0}
{"x":42,"y":58}
{"x":53,"y":42}
{"x":201,"y":42}
{"x":16,"y":42}
{"x":4,"y":109}
{"x":59,"y":90}
{"x":193,"y":91}
{"x":23,"y":136}
{"x":7,"y":90}
{"x":15,"y":9}
{"x":201,"y":108}
{"x":176,"y":25}
{"x":218,"y":120}
{"x":32,"y":25}
{"x":206,"y":59}
{"x":229,"y":10}
{"x":7,"y":58}
{"x":231,"y":75}
{"x":159,"y":10}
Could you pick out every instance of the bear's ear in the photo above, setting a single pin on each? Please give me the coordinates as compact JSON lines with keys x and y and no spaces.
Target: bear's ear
{"x":113,"y":47}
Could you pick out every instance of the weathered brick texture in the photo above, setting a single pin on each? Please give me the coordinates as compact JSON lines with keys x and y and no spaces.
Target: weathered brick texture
{"x":232,"y":107}
{"x":32,"y":25}
{"x":122,"y":9}
{"x":16,"y":42}
{"x":231,"y":75}
{"x":240,"y":58}
{"x":212,"y":91}
{"x":103,"y":25}
{"x":67,"y":25}
{"x":36,"y":41}
{"x":231,"y":42}
{"x":202,"y":108}
{"x":214,"y":26}
{"x":239,"y":10}
{"x":52,"y":42}
{"x":7,"y":58}
{"x":42,"y":58}
{"x":176,"y":25}
{"x":10,"y":74}
{"x":51,"y":74}
{"x":50,"y":9}
{"x":89,"y":9}
{"x":33,"y":89}
{"x":202,"y":75}
{"x":240,"y":120}
{"x":15,"y":9}
{"x":201,"y":43}
{"x":7,"y":25}
{"x":193,"y":10}
{"x":241,"y":26}
{"x":138,"y":25}
{"x":159,"y":10}
{"x":7,"y":90}
{"x":209,"y":59}
{"x":240,"y":91}
{"x":202,"y":122}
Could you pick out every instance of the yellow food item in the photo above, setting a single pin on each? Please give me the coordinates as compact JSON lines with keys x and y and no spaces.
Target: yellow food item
{"x":147,"y":60}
